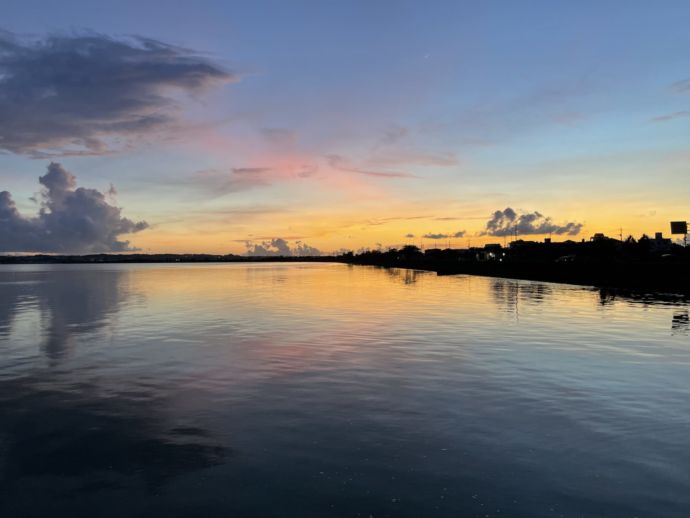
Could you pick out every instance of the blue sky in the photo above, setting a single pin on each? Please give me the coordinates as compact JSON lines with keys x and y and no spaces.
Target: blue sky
{"x":578,"y":110}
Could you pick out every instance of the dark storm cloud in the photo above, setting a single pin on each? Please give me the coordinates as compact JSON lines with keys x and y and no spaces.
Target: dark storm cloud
{"x":507,"y":222}
{"x":279,"y":247}
{"x":71,"y":220}
{"x":87,"y":93}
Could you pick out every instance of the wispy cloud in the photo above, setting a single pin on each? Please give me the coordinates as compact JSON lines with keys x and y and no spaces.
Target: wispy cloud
{"x":442,"y":235}
{"x":383,"y":221}
{"x":220,"y":182}
{"x":339,"y":163}
{"x":681,"y":86}
{"x":396,"y":147}
{"x":403,"y":158}
{"x":671,"y":116}
{"x":392,"y":136}
{"x":279,"y":136}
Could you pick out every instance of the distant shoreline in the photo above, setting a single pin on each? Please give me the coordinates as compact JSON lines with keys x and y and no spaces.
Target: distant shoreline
{"x":646,"y":276}
{"x":154,"y":258}
{"x":651,"y":277}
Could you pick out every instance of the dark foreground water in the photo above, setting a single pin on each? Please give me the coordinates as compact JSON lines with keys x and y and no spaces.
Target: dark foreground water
{"x":316,"y":390}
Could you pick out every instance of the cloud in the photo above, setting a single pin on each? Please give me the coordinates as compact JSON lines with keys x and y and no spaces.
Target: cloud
{"x":279,"y":247}
{"x":394,"y":159}
{"x":86,"y":94}
{"x":392,"y":136}
{"x":244,"y":178}
{"x":671,"y":116}
{"x":339,"y":163}
{"x":237,"y":179}
{"x":409,"y":236}
{"x":390,"y":151}
{"x":507,"y":222}
{"x":71,"y":220}
{"x":431,"y":235}
{"x":681,"y":86}
{"x":568,"y":118}
{"x":384,"y":221}
{"x":279,"y":136}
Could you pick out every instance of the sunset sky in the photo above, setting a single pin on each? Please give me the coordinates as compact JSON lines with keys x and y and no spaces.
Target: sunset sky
{"x":220,"y":126}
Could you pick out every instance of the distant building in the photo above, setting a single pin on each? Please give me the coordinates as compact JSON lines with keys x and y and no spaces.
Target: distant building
{"x":433,"y":252}
{"x":521,"y":243}
{"x":491,"y":252}
{"x":570,"y":258}
{"x":599,"y":237}
{"x":660,"y":244}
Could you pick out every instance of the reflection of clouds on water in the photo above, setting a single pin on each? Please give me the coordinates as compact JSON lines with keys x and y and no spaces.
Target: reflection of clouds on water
{"x":71,"y":302}
{"x":70,"y":433}
{"x":10,"y":301}
{"x":220,"y":388}
{"x":86,"y":442}
{"x":78,"y":302}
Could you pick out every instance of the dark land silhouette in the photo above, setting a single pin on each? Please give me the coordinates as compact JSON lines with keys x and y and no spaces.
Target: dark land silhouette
{"x":154,"y":258}
{"x":647,"y":264}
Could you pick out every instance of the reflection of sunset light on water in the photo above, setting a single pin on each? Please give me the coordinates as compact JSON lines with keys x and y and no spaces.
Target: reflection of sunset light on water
{"x":225,"y":370}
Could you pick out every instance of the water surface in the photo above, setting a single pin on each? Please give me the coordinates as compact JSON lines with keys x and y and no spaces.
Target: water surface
{"x":314,"y":390}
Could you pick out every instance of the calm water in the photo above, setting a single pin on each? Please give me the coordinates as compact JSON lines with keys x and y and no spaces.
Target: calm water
{"x":314,"y":390}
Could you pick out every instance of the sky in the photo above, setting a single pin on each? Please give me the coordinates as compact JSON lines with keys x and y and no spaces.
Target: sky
{"x":296,"y":127}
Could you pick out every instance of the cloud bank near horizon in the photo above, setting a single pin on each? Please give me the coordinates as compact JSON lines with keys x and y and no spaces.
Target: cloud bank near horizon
{"x":507,"y":223}
{"x":88,"y":94}
{"x":71,"y":219}
{"x":440,"y":235}
{"x":280,"y":247}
